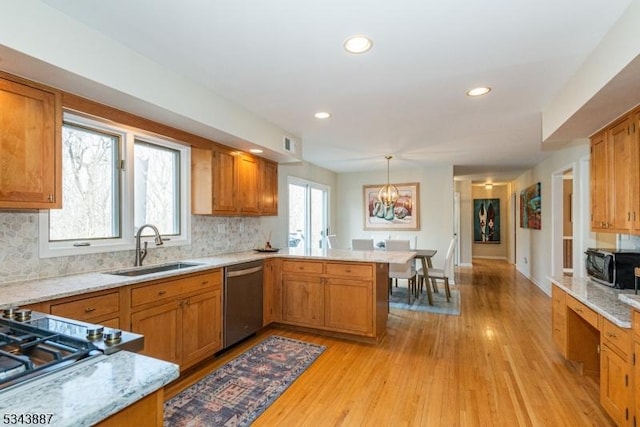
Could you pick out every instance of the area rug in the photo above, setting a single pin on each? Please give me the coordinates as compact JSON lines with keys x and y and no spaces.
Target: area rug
{"x":239,"y":391}
{"x":440,"y":304}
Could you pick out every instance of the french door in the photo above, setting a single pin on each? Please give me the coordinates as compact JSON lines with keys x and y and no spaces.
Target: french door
{"x":308,"y":214}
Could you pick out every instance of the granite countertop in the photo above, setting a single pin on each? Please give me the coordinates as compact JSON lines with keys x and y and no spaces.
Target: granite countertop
{"x":34,"y":291}
{"x":611,"y":303}
{"x":88,"y":391}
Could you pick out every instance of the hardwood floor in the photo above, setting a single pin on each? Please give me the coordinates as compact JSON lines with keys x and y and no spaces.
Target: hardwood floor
{"x":494,"y":365}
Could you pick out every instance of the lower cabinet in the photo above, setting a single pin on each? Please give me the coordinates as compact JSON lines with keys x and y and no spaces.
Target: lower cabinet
{"x":303,"y":300}
{"x":615,"y":371}
{"x":272,"y":291}
{"x":180,"y":319}
{"x":339,"y":297}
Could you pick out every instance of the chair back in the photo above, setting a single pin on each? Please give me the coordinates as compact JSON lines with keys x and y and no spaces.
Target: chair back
{"x":449,"y":257}
{"x":413,"y":240}
{"x":362,"y":244}
{"x":332,"y":241}
{"x":405,"y":270}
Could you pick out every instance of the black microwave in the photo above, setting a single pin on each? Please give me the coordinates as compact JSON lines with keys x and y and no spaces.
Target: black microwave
{"x":612,"y":267}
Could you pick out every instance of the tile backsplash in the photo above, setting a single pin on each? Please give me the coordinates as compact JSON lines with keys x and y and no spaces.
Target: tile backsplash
{"x":19,"y":258}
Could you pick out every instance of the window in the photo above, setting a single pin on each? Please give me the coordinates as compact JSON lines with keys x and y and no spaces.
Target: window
{"x":114,"y":181}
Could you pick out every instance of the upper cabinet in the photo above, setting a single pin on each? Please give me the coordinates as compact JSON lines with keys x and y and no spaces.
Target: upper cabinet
{"x":615,"y":181}
{"x":226,"y":182}
{"x":30,"y":146}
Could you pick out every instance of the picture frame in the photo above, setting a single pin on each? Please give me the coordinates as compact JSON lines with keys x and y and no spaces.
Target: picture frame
{"x":486,"y":221}
{"x":406,"y":211}
{"x":531,"y":207}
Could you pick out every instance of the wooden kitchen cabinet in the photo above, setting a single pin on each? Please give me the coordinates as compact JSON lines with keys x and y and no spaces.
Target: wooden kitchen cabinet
{"x":615,"y":382}
{"x":599,"y":182}
{"x":272,"y":291}
{"x":302,"y":299}
{"x":269,"y":193}
{"x":615,"y":180}
{"x":559,"y":319}
{"x":348,"y":298}
{"x":101,"y":308}
{"x":226,"y":182}
{"x":30,"y":145}
{"x":181,"y":319}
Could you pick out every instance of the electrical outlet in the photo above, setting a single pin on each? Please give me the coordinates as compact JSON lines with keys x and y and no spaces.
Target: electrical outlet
{"x":221,"y":228}
{"x":526,"y":261}
{"x":241,"y":228}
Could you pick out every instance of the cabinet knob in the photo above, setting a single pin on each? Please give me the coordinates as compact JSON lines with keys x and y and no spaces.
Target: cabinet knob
{"x":50,"y":198}
{"x":89,"y":309}
{"x":162,"y":292}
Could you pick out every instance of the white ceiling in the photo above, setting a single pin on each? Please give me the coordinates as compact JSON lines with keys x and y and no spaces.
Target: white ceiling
{"x":283,"y":59}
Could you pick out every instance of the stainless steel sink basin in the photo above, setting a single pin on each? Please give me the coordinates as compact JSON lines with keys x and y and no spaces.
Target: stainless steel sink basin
{"x":141,"y":271}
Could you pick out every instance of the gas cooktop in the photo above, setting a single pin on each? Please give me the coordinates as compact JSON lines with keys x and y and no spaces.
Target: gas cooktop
{"x":33,"y":344}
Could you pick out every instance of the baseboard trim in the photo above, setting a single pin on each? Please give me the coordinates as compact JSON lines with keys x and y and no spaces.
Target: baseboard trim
{"x":491,"y":257}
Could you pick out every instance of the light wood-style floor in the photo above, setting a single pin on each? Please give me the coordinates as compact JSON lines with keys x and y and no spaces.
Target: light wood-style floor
{"x":494,"y":365}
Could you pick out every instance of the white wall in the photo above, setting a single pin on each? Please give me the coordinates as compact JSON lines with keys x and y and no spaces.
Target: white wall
{"x":436,"y":206}
{"x":465,"y":240}
{"x":535,"y":245}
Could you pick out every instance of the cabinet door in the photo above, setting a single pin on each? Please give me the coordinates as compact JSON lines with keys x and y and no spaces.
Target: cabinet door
{"x":599,"y":182}
{"x":614,"y":385}
{"x":303,"y":300}
{"x":348,"y":305}
{"x":30,"y":147}
{"x":636,"y":378}
{"x":269,"y":184}
{"x":635,"y":174}
{"x":201,"y":326}
{"x":224,"y":182}
{"x":247,"y":190}
{"x":201,"y":181}
{"x":162,"y":330}
{"x":619,"y":176}
{"x":272,"y":292}
{"x":559,"y":319}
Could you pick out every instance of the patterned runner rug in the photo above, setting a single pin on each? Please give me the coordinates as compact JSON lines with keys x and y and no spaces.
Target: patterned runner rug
{"x":440,"y":304}
{"x":240,"y":390}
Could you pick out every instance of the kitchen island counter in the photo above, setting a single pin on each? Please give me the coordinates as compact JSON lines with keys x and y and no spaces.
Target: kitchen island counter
{"x":34,"y":291}
{"x":87,"y":392}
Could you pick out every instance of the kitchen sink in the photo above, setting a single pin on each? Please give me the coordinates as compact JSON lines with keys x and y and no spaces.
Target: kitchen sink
{"x":141,"y":271}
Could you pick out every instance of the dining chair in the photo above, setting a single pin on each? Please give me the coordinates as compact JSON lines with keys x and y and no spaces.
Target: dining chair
{"x":405,"y":271}
{"x":439,"y":273}
{"x":332,"y":241}
{"x":362,"y":244}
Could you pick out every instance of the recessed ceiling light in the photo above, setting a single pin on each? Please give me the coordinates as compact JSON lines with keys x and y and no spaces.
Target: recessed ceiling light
{"x":322,"y":115}
{"x":255,"y":150}
{"x":358,"y":44}
{"x":479,"y":91}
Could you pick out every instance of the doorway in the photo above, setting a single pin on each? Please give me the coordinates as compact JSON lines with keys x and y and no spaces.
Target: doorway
{"x":308,"y":214}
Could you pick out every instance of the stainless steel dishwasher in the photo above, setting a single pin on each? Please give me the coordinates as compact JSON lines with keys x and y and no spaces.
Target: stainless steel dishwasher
{"x":242,"y":301}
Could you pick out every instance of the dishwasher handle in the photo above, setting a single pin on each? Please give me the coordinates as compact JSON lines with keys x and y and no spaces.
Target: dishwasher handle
{"x":244,"y":272}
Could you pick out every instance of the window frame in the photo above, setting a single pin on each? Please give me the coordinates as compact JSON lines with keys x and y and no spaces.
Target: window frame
{"x":126,"y":241}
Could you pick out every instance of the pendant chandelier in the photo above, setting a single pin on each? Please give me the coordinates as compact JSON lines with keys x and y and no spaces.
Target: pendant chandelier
{"x":388,"y":194}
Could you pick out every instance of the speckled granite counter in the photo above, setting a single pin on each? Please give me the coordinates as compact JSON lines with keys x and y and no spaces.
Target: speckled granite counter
{"x":609,"y":302}
{"x":34,"y":291}
{"x":89,"y":391}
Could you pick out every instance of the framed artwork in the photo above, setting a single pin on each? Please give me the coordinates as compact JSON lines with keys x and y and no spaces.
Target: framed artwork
{"x":404,"y":215}
{"x":530,"y":208}
{"x":486,"y":220}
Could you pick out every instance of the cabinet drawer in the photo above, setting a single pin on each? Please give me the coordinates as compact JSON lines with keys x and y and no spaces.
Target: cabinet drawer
{"x":583,"y":311}
{"x":363,"y":271}
{"x":301,"y":267}
{"x":175,"y":288}
{"x":88,"y":308}
{"x":616,"y":338}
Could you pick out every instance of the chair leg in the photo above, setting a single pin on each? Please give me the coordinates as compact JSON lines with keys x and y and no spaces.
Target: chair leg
{"x":447,"y":290}
{"x":435,"y":285}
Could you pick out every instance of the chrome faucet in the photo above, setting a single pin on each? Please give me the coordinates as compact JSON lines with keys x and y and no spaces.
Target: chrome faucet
{"x":141,"y":253}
